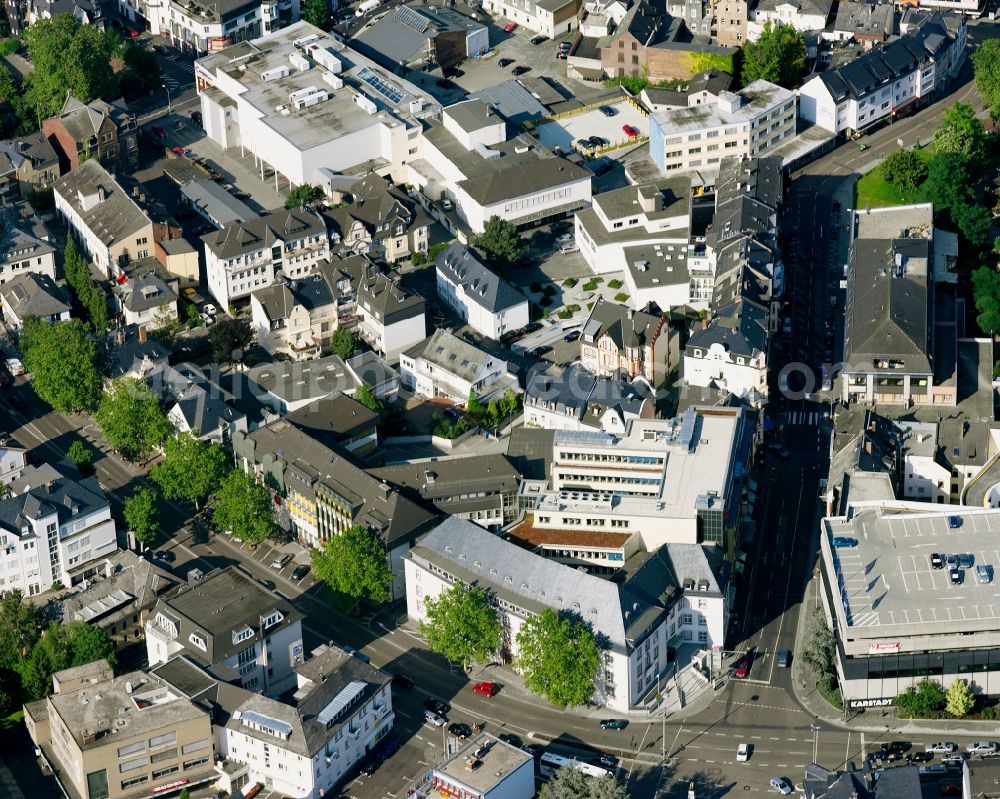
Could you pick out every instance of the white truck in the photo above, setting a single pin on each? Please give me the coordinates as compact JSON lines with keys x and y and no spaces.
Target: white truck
{"x":365,"y":7}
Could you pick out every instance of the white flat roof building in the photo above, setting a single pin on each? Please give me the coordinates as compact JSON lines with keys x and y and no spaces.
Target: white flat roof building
{"x":897,"y":618}
{"x":304,"y":105}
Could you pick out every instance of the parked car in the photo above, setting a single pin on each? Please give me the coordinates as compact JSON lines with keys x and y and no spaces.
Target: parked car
{"x":599,"y":141}
{"x":950,"y":789}
{"x":434,"y":718}
{"x":563,"y":55}
{"x":573,"y":335}
{"x":521,"y":70}
{"x":503,"y":63}
{"x":402,"y":681}
{"x":984,"y":573}
{"x":843,"y":542}
{"x":437,"y":706}
{"x":300,"y":571}
{"x":535,"y":750}
{"x":781,"y":785}
{"x":630,"y":131}
{"x":944,"y":747}
{"x":957,"y":576}
{"x":509,"y":27}
{"x":614,"y":724}
{"x":897,"y":746}
{"x":742,"y":669}
{"x":486,"y":688}
{"x":210,"y":309}
{"x":280,"y":561}
{"x":537,"y":40}
{"x":784,"y":658}
{"x":955,"y":759}
{"x":937,"y":562}
{"x":513,"y":740}
{"x":936,"y":768}
{"x":604,"y":760}
{"x":982,"y":748}
{"x":742,"y":753}
{"x":268,"y":584}
{"x":954,"y":522}
{"x":159,"y":131}
{"x":166,"y":556}
{"x":607,"y":110}
{"x":462,"y":731}
{"x":370,"y":765}
{"x":920,"y":757}
{"x":965,"y":560}
{"x":602,"y":166}
{"x":564,"y":238}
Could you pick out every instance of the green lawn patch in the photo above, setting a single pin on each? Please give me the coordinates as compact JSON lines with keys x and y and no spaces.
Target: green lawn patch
{"x":570,"y":282}
{"x":621,"y":296}
{"x":572,"y":308}
{"x":874,"y":191}
{"x":565,"y":313}
{"x":614,"y":284}
{"x":590,"y":285}
{"x":831,"y":693}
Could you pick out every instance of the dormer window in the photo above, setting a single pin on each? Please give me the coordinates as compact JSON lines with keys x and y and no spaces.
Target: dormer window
{"x":275,"y":618}
{"x":198,"y":641}
{"x":242,"y":634}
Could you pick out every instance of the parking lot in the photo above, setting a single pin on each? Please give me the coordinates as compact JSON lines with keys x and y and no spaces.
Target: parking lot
{"x":564,"y":132}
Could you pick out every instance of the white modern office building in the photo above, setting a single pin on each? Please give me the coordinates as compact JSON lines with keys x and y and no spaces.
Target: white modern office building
{"x":308,"y":107}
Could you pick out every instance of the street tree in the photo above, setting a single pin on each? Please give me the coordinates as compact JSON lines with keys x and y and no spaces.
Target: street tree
{"x":986,"y":64}
{"x":571,"y":783}
{"x":80,"y":454}
{"x":191,"y":469}
{"x":306,"y":194}
{"x":89,"y":294}
{"x":343,"y":343}
{"x":62,"y":646}
{"x":559,"y":657}
{"x":462,"y":624}
{"x":962,"y":132}
{"x":500,"y":242}
{"x":316,"y":12}
{"x":63,"y":358}
{"x":230,"y":339}
{"x":923,"y":700}
{"x":244,"y":506}
{"x":819,"y":650}
{"x":131,"y":419}
{"x":959,"y":700}
{"x":141,"y":513}
{"x":354,"y":566}
{"x":905,"y":170}
{"x":367,"y":397}
{"x":68,"y":57}
{"x":778,"y":56}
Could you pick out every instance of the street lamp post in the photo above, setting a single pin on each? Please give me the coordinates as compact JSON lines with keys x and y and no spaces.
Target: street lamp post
{"x":168,"y":95}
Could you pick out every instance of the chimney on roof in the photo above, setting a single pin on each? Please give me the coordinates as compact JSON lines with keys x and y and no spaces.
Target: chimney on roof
{"x":120,"y":336}
{"x":868,"y":446}
{"x":142,"y":334}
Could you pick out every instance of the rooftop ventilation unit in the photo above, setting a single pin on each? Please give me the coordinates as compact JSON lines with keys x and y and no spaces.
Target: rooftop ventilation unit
{"x":334,"y":80}
{"x":486,"y":153}
{"x":312,"y":37}
{"x":300,"y":62}
{"x":325,"y":59}
{"x":365,"y":103}
{"x":269,"y":75}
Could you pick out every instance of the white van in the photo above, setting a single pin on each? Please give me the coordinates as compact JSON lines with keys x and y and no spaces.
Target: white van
{"x":365,"y":7}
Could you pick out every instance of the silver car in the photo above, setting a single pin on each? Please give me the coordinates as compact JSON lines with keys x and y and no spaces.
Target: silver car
{"x":434,"y":718}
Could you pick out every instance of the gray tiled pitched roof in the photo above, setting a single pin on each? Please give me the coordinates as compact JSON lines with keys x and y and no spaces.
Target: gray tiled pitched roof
{"x":521,"y":179}
{"x":450,"y":354}
{"x":463,"y":267}
{"x":626,"y":328}
{"x":238,"y":238}
{"x":386,"y":299}
{"x":146,"y":291}
{"x":112,"y":219}
{"x":741,"y":328}
{"x":33,"y":294}
{"x":311,"y":292}
{"x":45,"y":488}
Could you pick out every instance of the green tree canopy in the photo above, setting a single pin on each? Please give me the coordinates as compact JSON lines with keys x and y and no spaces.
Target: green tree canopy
{"x":462,"y":624}
{"x":80,"y":454}
{"x":819,"y":648}
{"x":190,"y":469}
{"x":571,"y":783}
{"x":962,"y":132}
{"x":778,"y":56}
{"x":21,"y":623}
{"x":959,"y":700}
{"x":343,"y":343}
{"x":986,"y":63}
{"x":354,"y":566}
{"x":63,"y":358}
{"x":89,"y":295}
{"x":317,"y":12}
{"x":230,"y":339}
{"x":131,"y":419}
{"x":950,"y":188}
{"x":68,"y":56}
{"x":141,"y":514}
{"x":62,"y":646}
{"x":306,"y":194}
{"x":559,"y":658}
{"x":243,"y":505}
{"x":367,"y":397}
{"x":905,"y":170}
{"x":924,"y":700}
{"x":500,"y":242}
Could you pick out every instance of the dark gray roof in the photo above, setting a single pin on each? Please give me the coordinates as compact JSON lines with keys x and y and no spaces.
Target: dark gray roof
{"x":386,"y":299}
{"x":34,"y":148}
{"x":33,"y":294}
{"x":223,"y":603}
{"x":84,"y":120}
{"x":334,"y":420}
{"x":45,"y":489}
{"x":450,"y":354}
{"x":308,"y":462}
{"x":713,"y":81}
{"x":128,"y":353}
{"x":462,"y":266}
{"x":759,"y":178}
{"x":445,"y":478}
{"x":146,"y":291}
{"x":311,"y":292}
{"x":403,"y":35}
{"x":871,"y":19}
{"x":741,"y":328}
{"x":530,"y":450}
{"x":888,"y":312}
{"x":627,"y":328}
{"x":112,"y":219}
{"x":283,"y":225}
{"x":524,"y":178}
{"x":216,"y":203}
{"x":518,"y":102}
{"x":199,"y":400}
{"x":575,"y":392}
{"x":131,"y":576}
{"x":378,"y":205}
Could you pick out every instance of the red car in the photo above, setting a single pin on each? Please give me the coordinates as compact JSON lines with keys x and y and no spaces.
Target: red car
{"x":486,"y":688}
{"x":743,"y":667}
{"x":509,"y":27}
{"x":159,"y":131}
{"x":629,"y":131}
{"x":951,"y":789}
